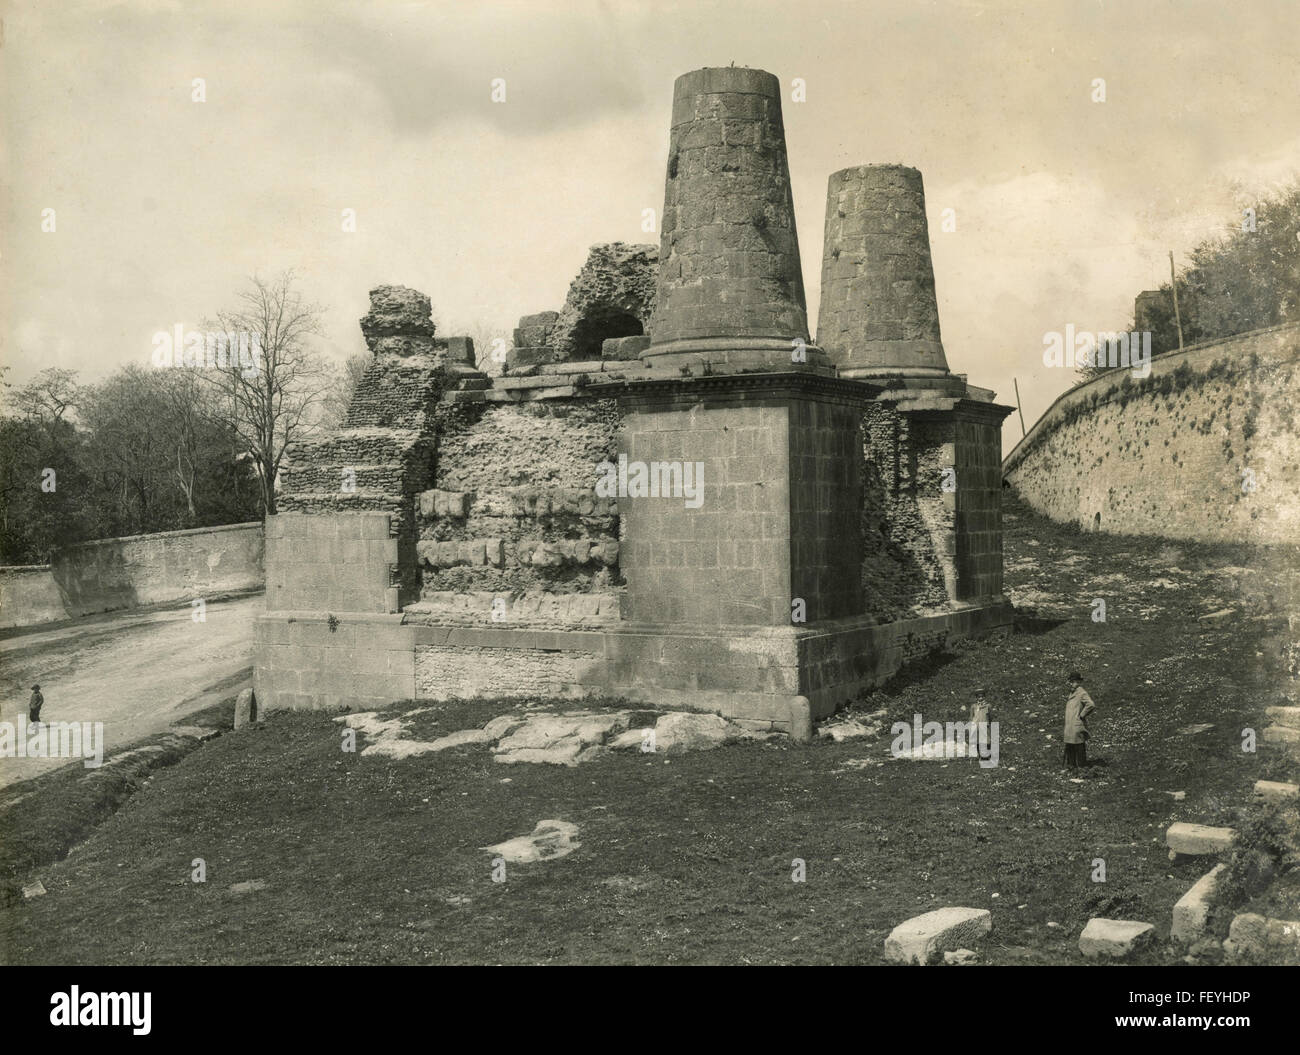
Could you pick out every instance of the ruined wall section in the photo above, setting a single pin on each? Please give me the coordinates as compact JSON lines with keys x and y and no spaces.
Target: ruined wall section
{"x":513,"y":519}
{"x":904,"y":516}
{"x":1176,"y":454}
{"x":382,"y":456}
{"x":612,"y":297}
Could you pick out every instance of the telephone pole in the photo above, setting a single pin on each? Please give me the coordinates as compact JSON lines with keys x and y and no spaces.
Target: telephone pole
{"x":1173,"y":285}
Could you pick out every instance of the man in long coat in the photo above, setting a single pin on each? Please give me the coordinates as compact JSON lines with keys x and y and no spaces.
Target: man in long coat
{"x":1078,"y":708}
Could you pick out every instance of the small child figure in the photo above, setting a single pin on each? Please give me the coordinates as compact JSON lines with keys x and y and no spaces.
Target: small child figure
{"x":980,"y":717}
{"x":979,"y":714}
{"x":34,"y":706}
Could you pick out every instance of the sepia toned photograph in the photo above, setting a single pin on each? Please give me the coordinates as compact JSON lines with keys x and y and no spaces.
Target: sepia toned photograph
{"x":638,"y":482}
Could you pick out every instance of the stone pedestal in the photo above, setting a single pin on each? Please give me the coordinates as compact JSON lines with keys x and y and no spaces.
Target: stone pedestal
{"x":772,"y":537}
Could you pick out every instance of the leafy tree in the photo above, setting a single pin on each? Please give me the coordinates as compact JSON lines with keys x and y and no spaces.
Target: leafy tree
{"x":45,"y":495}
{"x":1247,"y":279}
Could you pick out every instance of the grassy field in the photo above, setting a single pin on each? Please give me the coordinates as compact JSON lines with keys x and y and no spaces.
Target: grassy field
{"x":688,"y":858}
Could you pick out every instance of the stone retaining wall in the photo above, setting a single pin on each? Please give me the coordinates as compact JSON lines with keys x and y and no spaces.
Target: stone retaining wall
{"x":109,"y":574}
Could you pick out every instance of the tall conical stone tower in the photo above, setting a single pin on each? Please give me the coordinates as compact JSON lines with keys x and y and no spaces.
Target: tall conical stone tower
{"x":730,"y":287}
{"x":878,"y":314}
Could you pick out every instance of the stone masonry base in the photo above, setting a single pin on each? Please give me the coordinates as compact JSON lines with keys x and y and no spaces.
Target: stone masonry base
{"x":777,"y":678}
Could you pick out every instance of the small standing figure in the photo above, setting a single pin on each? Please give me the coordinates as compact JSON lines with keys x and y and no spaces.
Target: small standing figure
{"x":979,"y":715}
{"x":34,"y":705}
{"x":1077,"y":709}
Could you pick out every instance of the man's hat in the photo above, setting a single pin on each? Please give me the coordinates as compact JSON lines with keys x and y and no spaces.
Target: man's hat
{"x":1075,"y":676}
{"x":36,"y":688}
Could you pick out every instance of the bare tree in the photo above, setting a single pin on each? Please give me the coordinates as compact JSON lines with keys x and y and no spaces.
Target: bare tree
{"x":276,"y":399}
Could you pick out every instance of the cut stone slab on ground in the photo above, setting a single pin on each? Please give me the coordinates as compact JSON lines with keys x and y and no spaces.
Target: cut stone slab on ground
{"x":1114,"y":938}
{"x":564,"y":738}
{"x":1257,"y":938}
{"x":549,"y":839}
{"x":923,"y":939}
{"x":1195,"y":840}
{"x":561,"y":739}
{"x":845,"y":728}
{"x":1192,"y":912}
{"x":1275,"y":791}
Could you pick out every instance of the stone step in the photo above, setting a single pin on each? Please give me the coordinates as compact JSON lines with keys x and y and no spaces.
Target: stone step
{"x":1289,"y":716}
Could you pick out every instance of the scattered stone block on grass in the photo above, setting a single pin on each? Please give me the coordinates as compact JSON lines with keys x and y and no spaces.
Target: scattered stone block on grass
{"x":34,"y":889}
{"x":1198,"y":839}
{"x":396,"y":747}
{"x":1275,"y":791}
{"x":922,"y":939}
{"x":549,"y":839}
{"x":1260,"y":939}
{"x":683,"y":731}
{"x":843,"y":729}
{"x":1289,"y":716}
{"x":1114,"y":938}
{"x":249,"y":886}
{"x":1282,"y":734}
{"x":561,"y":739}
{"x":1192,"y":911}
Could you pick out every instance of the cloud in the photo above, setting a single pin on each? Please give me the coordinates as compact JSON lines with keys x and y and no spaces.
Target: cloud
{"x":1066,"y":208}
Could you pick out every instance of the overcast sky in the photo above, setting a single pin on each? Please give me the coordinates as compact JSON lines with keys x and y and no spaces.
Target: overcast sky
{"x":1065,"y":207}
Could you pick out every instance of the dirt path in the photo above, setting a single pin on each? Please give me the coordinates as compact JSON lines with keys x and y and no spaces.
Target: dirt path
{"x":137,"y":672}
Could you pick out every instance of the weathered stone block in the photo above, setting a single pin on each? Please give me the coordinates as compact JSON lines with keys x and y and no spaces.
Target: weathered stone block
{"x":461,"y":350}
{"x":1263,"y":940}
{"x":923,"y":939}
{"x":245,"y":709}
{"x":1198,"y":839}
{"x":624,"y":348}
{"x":1192,"y":910}
{"x":1273,"y":791}
{"x":1114,"y":938}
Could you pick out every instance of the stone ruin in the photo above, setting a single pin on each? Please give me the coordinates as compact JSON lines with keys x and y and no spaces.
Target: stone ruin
{"x":671,"y":494}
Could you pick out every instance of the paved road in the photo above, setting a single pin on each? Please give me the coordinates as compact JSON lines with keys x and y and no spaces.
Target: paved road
{"x":137,"y":671}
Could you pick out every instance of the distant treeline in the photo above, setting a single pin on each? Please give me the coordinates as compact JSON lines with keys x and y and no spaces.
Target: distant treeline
{"x":157,"y":447}
{"x":145,"y":450}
